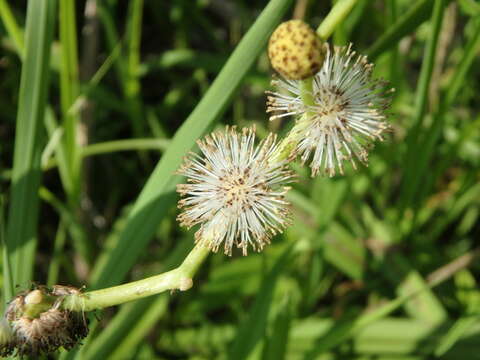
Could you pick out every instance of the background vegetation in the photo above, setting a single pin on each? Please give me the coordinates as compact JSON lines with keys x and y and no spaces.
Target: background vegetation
{"x":101,"y":99}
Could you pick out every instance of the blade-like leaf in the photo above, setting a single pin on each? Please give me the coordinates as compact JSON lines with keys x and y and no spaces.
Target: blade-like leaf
{"x":253,"y":329}
{"x":24,"y":202}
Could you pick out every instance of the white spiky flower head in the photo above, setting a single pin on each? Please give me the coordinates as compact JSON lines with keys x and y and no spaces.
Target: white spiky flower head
{"x":345,"y":115}
{"x":235,"y":190}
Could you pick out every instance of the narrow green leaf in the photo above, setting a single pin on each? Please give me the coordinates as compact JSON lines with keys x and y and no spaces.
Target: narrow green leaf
{"x":125,"y":145}
{"x":132,"y":82}
{"x":158,"y":194}
{"x":110,"y":338}
{"x":69,"y":91}
{"x":126,"y":67}
{"x":411,"y":178}
{"x":344,"y":251}
{"x":425,"y":306}
{"x":7,"y":271}
{"x":405,"y":25}
{"x":12,"y":27}
{"x":469,"y":295}
{"x":471,"y":53}
{"x":133,"y":57}
{"x":349,"y":326}
{"x":276,"y":347}
{"x":455,"y":333}
{"x":471,"y":7}
{"x":109,"y":147}
{"x":54,"y":266}
{"x":253,"y":329}
{"x":23,"y":212}
{"x":145,"y":321}
{"x":433,"y":133}
{"x":75,"y":229}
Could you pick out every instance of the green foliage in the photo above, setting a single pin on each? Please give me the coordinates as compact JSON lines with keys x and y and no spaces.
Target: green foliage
{"x":373,"y":266}
{"x":24,"y":201}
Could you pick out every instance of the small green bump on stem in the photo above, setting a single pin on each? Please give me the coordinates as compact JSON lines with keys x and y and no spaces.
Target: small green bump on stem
{"x":185,"y":284}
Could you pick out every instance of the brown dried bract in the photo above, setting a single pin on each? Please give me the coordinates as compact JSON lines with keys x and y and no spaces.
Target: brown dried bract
{"x":34,"y":334}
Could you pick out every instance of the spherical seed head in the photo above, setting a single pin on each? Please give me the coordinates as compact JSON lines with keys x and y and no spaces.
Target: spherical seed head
{"x":235,"y":191}
{"x":295,"y":51}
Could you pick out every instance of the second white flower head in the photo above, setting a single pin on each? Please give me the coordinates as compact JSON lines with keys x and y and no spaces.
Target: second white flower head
{"x":345,"y":114}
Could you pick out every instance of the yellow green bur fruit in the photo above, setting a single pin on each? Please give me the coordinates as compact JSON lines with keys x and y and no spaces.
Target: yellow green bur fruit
{"x":295,"y":51}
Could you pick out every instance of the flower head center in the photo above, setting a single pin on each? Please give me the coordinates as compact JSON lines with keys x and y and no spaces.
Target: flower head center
{"x":236,"y":189}
{"x":330,"y":104}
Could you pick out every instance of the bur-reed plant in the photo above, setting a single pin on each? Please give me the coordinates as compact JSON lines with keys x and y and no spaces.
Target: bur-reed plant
{"x":237,"y":192}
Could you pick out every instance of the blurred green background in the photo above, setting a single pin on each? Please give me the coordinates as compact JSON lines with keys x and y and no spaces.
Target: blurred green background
{"x":96,"y":92}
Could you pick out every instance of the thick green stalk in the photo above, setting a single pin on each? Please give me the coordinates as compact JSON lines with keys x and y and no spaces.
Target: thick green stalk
{"x":176,"y":279}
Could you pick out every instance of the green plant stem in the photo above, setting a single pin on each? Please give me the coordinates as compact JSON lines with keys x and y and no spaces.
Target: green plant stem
{"x":125,"y":145}
{"x":69,"y":90}
{"x":306,"y":91}
{"x":290,"y":141}
{"x":108,"y":147}
{"x":334,"y":17}
{"x":12,"y":27}
{"x":176,"y":279}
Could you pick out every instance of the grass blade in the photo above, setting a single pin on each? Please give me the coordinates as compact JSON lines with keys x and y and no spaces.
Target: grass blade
{"x":12,"y":27}
{"x":406,"y":24}
{"x":469,"y":295}
{"x":276,"y":347}
{"x":132,"y":82}
{"x":411,"y":180}
{"x":471,"y":52}
{"x":253,"y":330}
{"x":432,"y":134}
{"x":24,"y":202}
{"x":7,"y":271}
{"x":69,"y":90}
